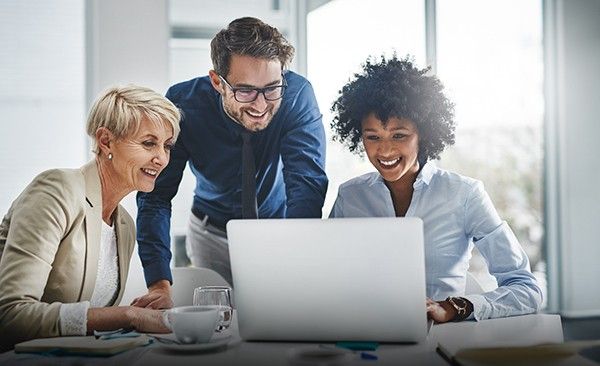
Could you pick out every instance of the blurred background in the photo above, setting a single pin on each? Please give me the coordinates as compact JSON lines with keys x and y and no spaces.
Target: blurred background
{"x":522,"y":73}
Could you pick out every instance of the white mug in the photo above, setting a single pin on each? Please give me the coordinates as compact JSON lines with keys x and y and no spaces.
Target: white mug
{"x":192,"y":324}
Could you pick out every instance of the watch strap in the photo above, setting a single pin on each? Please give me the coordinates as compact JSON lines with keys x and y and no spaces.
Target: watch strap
{"x":461,"y":305}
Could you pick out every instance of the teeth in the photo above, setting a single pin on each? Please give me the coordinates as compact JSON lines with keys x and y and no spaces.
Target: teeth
{"x":389,"y":162}
{"x":256,"y":115}
{"x":150,"y":171}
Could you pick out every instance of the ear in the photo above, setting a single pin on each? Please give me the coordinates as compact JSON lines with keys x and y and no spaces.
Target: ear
{"x":215,"y":81}
{"x":103,"y":139}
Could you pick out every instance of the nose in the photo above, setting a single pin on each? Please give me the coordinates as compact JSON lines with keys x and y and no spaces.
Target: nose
{"x":260,"y":102}
{"x":161,"y":158}
{"x":385,"y":148}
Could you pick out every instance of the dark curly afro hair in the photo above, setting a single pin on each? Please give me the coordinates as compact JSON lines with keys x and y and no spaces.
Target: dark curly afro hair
{"x":395,"y":88}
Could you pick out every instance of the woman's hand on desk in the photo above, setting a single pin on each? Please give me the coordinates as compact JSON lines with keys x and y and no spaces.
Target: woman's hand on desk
{"x":158,"y":296}
{"x":453,"y":309}
{"x":440,"y":311}
{"x":142,"y":320}
{"x":147,"y":320}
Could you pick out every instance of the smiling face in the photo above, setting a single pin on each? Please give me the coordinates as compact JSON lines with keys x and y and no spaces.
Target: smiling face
{"x":392,"y":149}
{"x":138,"y":158}
{"x":249,"y":72}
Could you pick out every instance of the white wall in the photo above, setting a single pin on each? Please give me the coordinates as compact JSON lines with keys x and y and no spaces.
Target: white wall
{"x":42,"y":83}
{"x":127,"y":42}
{"x":573,"y":170}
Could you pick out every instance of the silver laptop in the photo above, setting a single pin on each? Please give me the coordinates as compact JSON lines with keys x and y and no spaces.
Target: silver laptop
{"x":351,"y":279}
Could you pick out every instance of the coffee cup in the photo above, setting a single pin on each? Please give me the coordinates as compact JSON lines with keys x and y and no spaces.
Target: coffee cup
{"x":192,"y":324}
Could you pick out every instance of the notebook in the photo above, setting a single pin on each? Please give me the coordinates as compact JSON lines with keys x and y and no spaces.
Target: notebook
{"x":503,"y":342}
{"x":344,"y":279}
{"x":83,"y":346}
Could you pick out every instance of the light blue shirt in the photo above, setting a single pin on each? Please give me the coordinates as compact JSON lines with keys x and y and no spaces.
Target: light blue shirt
{"x":457,"y":213}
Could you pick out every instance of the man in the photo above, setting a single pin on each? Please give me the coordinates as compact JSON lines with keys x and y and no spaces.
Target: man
{"x":249,"y":104}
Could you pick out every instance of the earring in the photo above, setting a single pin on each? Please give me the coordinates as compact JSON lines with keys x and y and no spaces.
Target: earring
{"x":109,"y":156}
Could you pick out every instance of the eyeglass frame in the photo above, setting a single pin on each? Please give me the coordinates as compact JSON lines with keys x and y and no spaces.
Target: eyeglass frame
{"x":258,"y":91}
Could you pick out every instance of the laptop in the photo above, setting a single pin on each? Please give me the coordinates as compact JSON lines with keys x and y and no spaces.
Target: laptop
{"x":343,"y":279}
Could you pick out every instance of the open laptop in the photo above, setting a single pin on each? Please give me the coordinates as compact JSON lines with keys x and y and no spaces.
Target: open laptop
{"x":345,"y":279}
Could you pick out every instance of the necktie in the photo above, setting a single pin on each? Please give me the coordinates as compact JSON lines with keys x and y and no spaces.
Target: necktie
{"x":249,"y":207}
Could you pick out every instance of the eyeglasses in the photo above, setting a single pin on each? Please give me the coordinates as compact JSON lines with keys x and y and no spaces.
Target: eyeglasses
{"x":249,"y":95}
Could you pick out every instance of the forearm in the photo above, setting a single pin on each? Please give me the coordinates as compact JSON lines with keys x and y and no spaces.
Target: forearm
{"x":109,"y":318}
{"x":126,"y":317}
{"x":517,"y":299}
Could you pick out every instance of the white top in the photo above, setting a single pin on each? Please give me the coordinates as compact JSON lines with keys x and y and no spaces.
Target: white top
{"x":73,"y":317}
{"x":457,"y":213}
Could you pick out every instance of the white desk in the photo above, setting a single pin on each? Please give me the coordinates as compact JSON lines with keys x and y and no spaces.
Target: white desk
{"x":522,"y":330}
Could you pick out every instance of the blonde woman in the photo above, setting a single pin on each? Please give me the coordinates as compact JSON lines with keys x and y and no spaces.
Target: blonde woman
{"x":65,"y":243}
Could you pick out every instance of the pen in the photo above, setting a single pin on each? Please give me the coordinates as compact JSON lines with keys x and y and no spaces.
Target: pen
{"x":363,"y":355}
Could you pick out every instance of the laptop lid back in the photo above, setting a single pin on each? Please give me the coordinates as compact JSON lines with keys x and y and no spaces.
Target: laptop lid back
{"x":355,"y":279}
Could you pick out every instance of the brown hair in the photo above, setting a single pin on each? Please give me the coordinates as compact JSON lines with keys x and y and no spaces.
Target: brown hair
{"x":249,"y":37}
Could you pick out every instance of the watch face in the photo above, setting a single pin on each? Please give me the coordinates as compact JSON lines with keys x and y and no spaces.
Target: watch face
{"x":459,"y":304}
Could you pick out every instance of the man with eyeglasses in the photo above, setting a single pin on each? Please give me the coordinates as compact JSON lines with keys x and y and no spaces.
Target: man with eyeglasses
{"x":253,"y":137}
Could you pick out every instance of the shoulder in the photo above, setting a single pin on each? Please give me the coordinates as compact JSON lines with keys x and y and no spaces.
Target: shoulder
{"x":192,"y":92}
{"x":455,"y":187}
{"x":59,"y":182}
{"x":360,"y":183}
{"x":298,"y":89}
{"x":450,"y":179}
{"x":57,"y":192}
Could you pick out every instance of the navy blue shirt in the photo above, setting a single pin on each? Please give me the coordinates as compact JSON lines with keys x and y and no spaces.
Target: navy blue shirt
{"x":290,"y":165}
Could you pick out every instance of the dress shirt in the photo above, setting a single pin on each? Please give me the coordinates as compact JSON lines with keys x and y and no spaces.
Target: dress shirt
{"x":289,"y":155}
{"x":457,"y":213}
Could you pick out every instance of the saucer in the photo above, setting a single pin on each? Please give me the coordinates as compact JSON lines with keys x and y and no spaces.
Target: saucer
{"x":192,"y":347}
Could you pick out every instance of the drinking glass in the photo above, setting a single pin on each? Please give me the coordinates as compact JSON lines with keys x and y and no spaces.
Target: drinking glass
{"x":219,"y":296}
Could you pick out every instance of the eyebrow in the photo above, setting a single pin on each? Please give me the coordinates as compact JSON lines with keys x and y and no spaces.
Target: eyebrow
{"x":402,"y":128}
{"x":154,"y":136}
{"x":272,"y":83}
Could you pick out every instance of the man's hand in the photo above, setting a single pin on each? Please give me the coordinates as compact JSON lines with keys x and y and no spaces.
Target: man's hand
{"x":440,"y":312}
{"x":158,"y":296}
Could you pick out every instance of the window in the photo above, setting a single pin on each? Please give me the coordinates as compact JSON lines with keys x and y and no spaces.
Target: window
{"x":336,"y":49}
{"x":490,"y":59}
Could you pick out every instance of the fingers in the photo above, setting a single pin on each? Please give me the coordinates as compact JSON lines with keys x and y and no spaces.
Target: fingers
{"x":160,"y":303}
{"x":153,"y":300}
{"x":141,"y":301}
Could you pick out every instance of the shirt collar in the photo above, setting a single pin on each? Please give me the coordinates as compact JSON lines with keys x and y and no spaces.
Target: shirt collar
{"x":426,"y":174}
{"x":424,"y":177}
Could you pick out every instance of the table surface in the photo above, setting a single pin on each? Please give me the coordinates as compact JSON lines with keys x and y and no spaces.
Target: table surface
{"x":514,"y":331}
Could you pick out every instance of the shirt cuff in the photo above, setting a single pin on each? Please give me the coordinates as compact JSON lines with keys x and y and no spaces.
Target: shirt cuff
{"x":481,"y":307}
{"x":157,"y":271}
{"x":73,"y":318}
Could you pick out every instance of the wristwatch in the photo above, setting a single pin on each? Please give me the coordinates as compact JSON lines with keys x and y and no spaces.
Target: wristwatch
{"x":461,"y":305}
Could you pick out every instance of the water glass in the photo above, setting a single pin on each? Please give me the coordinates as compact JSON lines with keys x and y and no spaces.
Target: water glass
{"x":219,"y":296}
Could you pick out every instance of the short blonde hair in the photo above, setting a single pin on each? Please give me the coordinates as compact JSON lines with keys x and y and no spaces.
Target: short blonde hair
{"x":120,"y":109}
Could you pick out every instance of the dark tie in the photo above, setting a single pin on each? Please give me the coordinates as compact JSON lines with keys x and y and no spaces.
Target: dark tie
{"x":249,"y":207}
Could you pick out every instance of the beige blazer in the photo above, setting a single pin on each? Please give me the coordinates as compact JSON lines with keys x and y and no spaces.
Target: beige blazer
{"x":49,"y":247}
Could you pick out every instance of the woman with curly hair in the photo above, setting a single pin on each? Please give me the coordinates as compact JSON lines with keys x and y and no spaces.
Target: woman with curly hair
{"x":398,"y":116}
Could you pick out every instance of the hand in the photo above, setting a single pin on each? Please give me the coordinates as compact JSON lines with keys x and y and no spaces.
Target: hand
{"x":440,"y":311}
{"x":158,"y":296}
{"x":146,"y":320}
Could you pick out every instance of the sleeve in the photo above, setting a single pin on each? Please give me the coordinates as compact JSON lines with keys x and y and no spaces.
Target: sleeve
{"x":39,"y":218}
{"x":303,"y":156}
{"x":73,"y":318}
{"x":517,"y":292}
{"x":337,"y":209}
{"x":154,"y":215}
